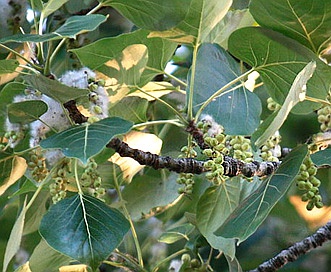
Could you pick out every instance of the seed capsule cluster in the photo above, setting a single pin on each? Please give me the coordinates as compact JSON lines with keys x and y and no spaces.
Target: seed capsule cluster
{"x":324,"y":117}
{"x":186,"y":179}
{"x":37,"y":165}
{"x":240,"y":148}
{"x":91,"y":180}
{"x":271,"y":150}
{"x":60,"y":177}
{"x":192,"y":264}
{"x":272,"y":105}
{"x":306,"y":181}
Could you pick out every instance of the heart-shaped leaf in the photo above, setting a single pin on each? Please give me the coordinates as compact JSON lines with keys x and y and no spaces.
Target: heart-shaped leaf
{"x":85,"y":141}
{"x":253,"y":210}
{"x":279,"y":59}
{"x":151,"y":14}
{"x":202,"y":17}
{"x":8,"y":66}
{"x":308,"y":22}
{"x":213,"y":208}
{"x":26,"y":111}
{"x":237,"y":111}
{"x":160,"y":52}
{"x":84,"y":228}
{"x":70,"y":29}
{"x":55,"y":89}
{"x":7,"y":95}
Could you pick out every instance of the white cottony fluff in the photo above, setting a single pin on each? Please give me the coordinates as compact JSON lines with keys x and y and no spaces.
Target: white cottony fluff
{"x":78,"y":79}
{"x":215,"y":127}
{"x":55,"y":117}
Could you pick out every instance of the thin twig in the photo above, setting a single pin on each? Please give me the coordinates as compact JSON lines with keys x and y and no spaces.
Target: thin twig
{"x":291,"y":254}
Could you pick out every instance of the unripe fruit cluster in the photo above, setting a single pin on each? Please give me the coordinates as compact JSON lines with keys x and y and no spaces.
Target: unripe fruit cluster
{"x":272,"y":105}
{"x":271,"y":150}
{"x":58,"y":188}
{"x":91,"y":180}
{"x":189,"y":264}
{"x":324,"y":117}
{"x":306,"y":181}
{"x":185,"y":179}
{"x":240,"y":148}
{"x":37,"y":165}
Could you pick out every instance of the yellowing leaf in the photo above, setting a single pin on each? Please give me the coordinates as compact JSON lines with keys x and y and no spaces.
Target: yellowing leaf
{"x":294,"y":96}
{"x":18,"y":169}
{"x":15,"y":237}
{"x":140,"y":140}
{"x":26,"y":52}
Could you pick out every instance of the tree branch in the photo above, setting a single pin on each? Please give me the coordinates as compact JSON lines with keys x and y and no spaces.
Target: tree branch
{"x":232,"y":167}
{"x":291,"y":254}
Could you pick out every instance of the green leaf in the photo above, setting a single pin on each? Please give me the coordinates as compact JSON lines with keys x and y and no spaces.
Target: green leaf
{"x":237,"y":111}
{"x":151,"y":14}
{"x":51,"y":6}
{"x":7,"y":95}
{"x":36,"y":212}
{"x":308,"y":22}
{"x":55,"y":89}
{"x":135,"y":109}
{"x":8,"y":66}
{"x":128,"y":66}
{"x":233,"y":263}
{"x":202,"y":17}
{"x":70,"y":29}
{"x":213,"y":208}
{"x":253,"y":210}
{"x":45,"y":258}
{"x":298,"y":89}
{"x":26,"y":111}
{"x":175,"y":234}
{"x":149,"y":191}
{"x":160,"y":52}
{"x":84,"y":141}
{"x":84,"y":228}
{"x":279,"y":59}
{"x":233,"y":20}
{"x":76,"y":25}
{"x":15,"y":238}
{"x":322,"y":157}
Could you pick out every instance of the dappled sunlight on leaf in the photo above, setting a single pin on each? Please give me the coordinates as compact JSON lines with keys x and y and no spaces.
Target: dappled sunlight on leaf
{"x":140,"y":140}
{"x":316,"y":217}
{"x":16,"y":171}
{"x":155,"y":89}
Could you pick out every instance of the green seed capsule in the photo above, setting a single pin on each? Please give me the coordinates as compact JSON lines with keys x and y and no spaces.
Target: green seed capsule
{"x":310,"y":194}
{"x":308,"y":185}
{"x":304,"y":175}
{"x":304,"y":198}
{"x":97,"y":109}
{"x":319,"y":205}
{"x":312,"y":170}
{"x":310,"y":205}
{"x":186,"y":258}
{"x":301,"y":185}
{"x":315,"y":181}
